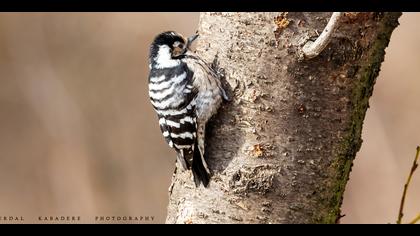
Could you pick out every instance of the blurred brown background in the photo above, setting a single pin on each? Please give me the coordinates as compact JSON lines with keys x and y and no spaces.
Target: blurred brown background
{"x":79,"y":137}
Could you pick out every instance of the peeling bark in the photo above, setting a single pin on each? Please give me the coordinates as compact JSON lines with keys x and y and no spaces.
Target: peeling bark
{"x":282,"y":150}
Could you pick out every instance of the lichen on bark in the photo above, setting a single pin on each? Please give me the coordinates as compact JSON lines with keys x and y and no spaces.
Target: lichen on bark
{"x":363,"y":90}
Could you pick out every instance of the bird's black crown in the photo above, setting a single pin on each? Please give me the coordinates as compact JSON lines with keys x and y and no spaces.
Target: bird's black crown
{"x":166,"y":38}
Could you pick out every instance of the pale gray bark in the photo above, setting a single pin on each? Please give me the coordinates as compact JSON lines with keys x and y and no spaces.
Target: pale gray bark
{"x":282,"y":150}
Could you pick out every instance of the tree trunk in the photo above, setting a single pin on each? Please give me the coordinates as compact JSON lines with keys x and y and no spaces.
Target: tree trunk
{"x":281,"y":151}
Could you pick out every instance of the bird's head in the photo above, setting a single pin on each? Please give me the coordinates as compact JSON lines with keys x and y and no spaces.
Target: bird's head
{"x":170,"y":45}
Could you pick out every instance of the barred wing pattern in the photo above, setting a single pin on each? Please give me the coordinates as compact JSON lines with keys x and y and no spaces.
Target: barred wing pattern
{"x":173,"y":97}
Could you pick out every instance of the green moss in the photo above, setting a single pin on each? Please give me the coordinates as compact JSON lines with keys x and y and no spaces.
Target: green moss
{"x":360,"y":101}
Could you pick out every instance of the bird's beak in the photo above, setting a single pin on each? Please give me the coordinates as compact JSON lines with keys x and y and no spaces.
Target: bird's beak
{"x":191,"y":39}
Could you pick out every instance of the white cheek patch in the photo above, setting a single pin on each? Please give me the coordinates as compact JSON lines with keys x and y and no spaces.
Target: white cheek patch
{"x":164,"y":58}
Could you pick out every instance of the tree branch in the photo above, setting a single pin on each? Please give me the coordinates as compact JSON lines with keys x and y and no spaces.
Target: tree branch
{"x":313,"y":49}
{"x":413,"y":169}
{"x":415,"y":220}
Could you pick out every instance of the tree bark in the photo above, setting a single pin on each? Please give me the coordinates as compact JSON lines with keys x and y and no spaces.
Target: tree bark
{"x":281,"y":151}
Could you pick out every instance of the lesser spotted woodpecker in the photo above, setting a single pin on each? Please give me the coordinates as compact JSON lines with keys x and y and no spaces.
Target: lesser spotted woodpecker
{"x":185,"y":93}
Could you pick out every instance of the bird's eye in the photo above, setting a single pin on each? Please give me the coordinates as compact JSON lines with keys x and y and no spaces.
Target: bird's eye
{"x":178,"y":49}
{"x":178,"y":44}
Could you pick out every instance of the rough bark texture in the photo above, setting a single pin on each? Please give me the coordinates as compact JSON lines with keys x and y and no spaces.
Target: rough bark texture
{"x":282,"y":150}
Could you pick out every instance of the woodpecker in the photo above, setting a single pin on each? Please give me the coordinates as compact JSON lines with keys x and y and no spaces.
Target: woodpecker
{"x":185,"y":92}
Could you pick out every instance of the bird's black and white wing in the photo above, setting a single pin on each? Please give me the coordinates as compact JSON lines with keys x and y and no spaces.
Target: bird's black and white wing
{"x":173,"y":97}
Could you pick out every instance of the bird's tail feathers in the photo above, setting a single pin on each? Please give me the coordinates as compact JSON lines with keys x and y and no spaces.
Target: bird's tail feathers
{"x":199,"y":171}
